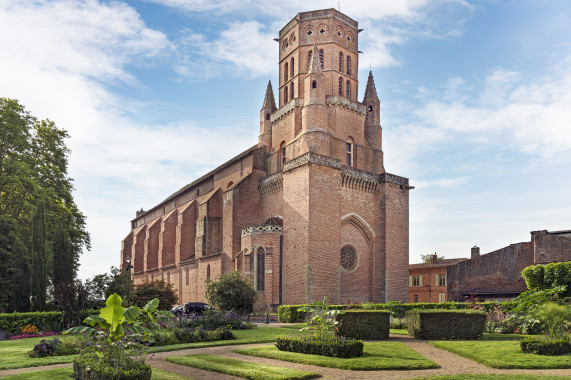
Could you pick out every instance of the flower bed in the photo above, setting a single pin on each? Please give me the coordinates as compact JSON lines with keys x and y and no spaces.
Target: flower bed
{"x":38,"y":335}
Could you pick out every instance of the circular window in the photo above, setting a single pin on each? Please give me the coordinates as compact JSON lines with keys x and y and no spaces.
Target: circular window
{"x":348,"y":257}
{"x":309,"y":32}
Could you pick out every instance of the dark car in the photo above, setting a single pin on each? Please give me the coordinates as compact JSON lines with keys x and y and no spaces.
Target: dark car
{"x":177,"y":310}
{"x":196,"y":308}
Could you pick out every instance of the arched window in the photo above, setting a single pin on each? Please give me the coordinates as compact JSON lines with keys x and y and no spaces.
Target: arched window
{"x":341,"y":62}
{"x":348,"y":90}
{"x":340,"y":86}
{"x":292,"y":67}
{"x":282,"y":155}
{"x":348,"y":65}
{"x":208,"y":272}
{"x":291,"y":90}
{"x":308,"y":59}
{"x":187,"y":277}
{"x":267,"y":116}
{"x":285,"y":95}
{"x":350,"y":147}
{"x":321,"y":57}
{"x":260,"y":269}
{"x":286,"y":72}
{"x":314,"y":84}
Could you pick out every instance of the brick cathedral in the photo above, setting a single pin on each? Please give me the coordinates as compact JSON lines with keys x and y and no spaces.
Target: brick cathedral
{"x":309,"y":211}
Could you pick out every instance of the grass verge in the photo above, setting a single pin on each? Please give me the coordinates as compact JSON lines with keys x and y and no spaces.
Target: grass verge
{"x":240,"y":368}
{"x":376,"y":356}
{"x":67,"y":373}
{"x":13,"y":353}
{"x":502,"y":354}
{"x":490,"y":377}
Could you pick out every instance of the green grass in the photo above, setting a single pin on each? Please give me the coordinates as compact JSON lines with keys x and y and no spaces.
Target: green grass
{"x":376,"y":356}
{"x":240,"y":368}
{"x":502,"y":354}
{"x":67,"y":373}
{"x":398,"y":331}
{"x":490,"y":377}
{"x":13,"y":353}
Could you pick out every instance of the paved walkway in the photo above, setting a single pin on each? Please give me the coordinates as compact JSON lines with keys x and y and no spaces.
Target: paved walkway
{"x":450,"y":364}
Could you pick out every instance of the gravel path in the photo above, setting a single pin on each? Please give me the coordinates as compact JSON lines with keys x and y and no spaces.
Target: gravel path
{"x":449,"y":364}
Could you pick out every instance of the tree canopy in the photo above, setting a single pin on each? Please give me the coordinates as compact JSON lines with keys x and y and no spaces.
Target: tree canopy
{"x":33,"y":166}
{"x":231,"y":292}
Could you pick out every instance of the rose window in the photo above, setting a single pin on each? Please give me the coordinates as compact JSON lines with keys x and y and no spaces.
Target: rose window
{"x":348,"y":257}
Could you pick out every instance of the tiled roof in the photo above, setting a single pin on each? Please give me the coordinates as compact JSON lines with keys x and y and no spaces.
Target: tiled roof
{"x":441,"y":264}
{"x":515,"y":287}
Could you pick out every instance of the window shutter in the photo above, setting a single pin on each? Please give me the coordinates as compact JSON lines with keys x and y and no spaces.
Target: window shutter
{"x":420,"y":280}
{"x":409,"y":280}
{"x":436,"y":278}
{"x":445,"y":279}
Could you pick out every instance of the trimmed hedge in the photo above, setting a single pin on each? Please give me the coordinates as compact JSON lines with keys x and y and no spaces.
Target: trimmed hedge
{"x":544,"y":346}
{"x":290,"y":313}
{"x":547,"y":276}
{"x":364,"y":324}
{"x":338,"y":348}
{"x":446,"y":324}
{"x":12,"y":323}
{"x":105,"y":368}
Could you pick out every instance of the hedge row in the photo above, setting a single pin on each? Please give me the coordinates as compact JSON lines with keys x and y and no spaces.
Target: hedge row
{"x":543,"y":346}
{"x":446,"y":324}
{"x":364,"y":324}
{"x":12,"y":323}
{"x":290,"y":313}
{"x":548,"y":276}
{"x":339,"y":348}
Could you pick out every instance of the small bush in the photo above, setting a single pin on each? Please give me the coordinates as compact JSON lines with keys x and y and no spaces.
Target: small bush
{"x":52,"y":348}
{"x":446,"y":324}
{"x":115,"y":367}
{"x":213,"y":319}
{"x":308,"y":344}
{"x":398,"y":323}
{"x":199,"y":334}
{"x":542,"y":346}
{"x":363,"y":324}
{"x":290,"y":313}
{"x":29,"y":329}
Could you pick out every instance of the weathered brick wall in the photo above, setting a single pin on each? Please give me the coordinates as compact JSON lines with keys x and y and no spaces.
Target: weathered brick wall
{"x":551,"y":246}
{"x":501,"y":266}
{"x":167,"y":239}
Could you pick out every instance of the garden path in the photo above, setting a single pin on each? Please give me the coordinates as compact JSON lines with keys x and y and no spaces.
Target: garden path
{"x":449,"y":362}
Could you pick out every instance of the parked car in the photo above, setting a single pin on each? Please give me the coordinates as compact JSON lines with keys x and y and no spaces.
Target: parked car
{"x":178,"y":310}
{"x":196,"y":308}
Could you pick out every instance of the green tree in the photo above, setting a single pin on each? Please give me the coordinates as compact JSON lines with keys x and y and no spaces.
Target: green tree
{"x":7,"y":240}
{"x":39,"y":277}
{"x":231,"y":292}
{"x":121,"y":284}
{"x":63,"y":259}
{"x":21,"y":278}
{"x":33,"y":165}
{"x":159,"y":289}
{"x":428,"y":258}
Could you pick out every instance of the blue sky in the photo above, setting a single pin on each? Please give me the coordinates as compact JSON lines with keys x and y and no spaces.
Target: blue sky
{"x":475,"y":104}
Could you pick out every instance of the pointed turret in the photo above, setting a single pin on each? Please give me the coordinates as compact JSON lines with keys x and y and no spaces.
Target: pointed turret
{"x":269,"y":101}
{"x":373,"y":131}
{"x":370,"y":91}
{"x":269,"y":106}
{"x":315,"y":66}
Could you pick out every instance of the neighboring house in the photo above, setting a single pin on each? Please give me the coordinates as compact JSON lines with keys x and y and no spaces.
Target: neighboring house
{"x":427,"y":282}
{"x":309,"y":211}
{"x":497,"y":274}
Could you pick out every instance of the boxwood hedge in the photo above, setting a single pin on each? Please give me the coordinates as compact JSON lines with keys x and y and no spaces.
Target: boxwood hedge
{"x":542,"y":346}
{"x":337,"y":347}
{"x":364,"y":324}
{"x":446,"y":324}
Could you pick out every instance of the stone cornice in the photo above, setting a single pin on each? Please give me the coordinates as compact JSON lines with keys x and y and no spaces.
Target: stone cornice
{"x":336,"y":100}
{"x":393,"y":178}
{"x":359,"y":179}
{"x":287,"y":108}
{"x":271,"y":184}
{"x":312,"y":158}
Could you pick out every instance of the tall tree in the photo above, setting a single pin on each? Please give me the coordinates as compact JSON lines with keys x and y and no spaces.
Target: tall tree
{"x":63,"y":259}
{"x":20,"y":278}
{"x":39,"y":278}
{"x":7,"y":240}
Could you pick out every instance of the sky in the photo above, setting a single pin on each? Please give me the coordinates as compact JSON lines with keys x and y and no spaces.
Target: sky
{"x":475,"y":104}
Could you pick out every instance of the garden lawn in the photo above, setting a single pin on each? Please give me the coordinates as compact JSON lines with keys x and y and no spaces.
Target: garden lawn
{"x":257,"y":335}
{"x":502,"y":354}
{"x":376,"y":356}
{"x":67,"y":373}
{"x":13,"y":353}
{"x":240,"y":368}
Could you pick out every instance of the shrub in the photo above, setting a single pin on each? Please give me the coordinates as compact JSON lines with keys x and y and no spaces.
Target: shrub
{"x":398,"y":323}
{"x":52,"y":348}
{"x":291,"y":313}
{"x":446,"y":324}
{"x":231,"y":292}
{"x":113,"y":366}
{"x":29,"y":329}
{"x":45,"y":321}
{"x":538,"y":277}
{"x":158,"y":289}
{"x":213,"y":319}
{"x":542,"y":346}
{"x":199,"y":334}
{"x":309,"y":344}
{"x":363,"y":324}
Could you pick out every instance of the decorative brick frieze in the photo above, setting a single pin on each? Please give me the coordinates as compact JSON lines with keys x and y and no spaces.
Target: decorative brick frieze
{"x":265,"y":228}
{"x":336,"y":100}
{"x":312,"y":158}
{"x":359,"y":179}
{"x":388,"y":177}
{"x":287,"y":108}
{"x":271,"y":185}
